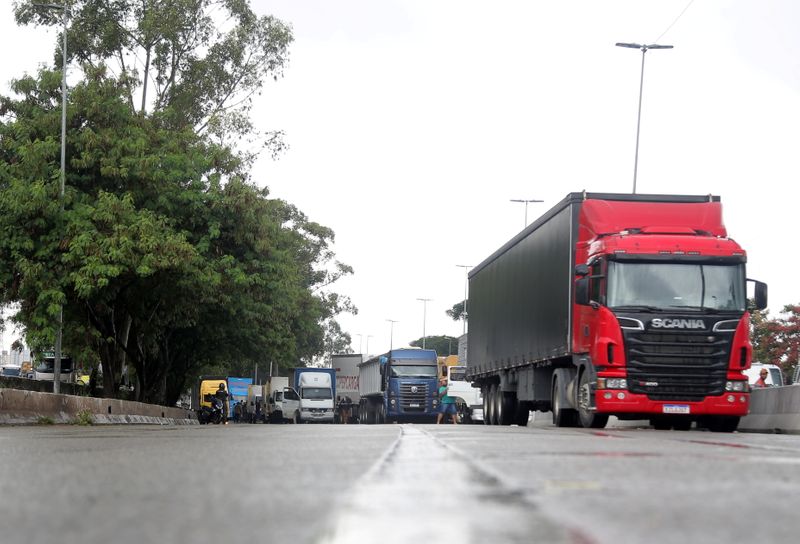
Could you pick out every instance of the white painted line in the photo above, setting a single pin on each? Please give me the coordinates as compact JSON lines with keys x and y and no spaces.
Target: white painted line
{"x":422,"y":491}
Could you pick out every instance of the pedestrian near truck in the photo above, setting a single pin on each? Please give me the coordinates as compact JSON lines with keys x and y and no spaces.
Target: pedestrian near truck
{"x":447,"y":404}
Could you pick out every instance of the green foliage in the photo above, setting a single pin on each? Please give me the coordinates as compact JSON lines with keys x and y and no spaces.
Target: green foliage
{"x":45,"y":420}
{"x":777,"y":340}
{"x":167,"y":258}
{"x":84,"y":417}
{"x":444,"y":345}
{"x":457,"y":313}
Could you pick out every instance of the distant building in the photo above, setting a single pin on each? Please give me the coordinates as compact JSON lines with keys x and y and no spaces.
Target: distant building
{"x":4,"y":358}
{"x":19,"y":357}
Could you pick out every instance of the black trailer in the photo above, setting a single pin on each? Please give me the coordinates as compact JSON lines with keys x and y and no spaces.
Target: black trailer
{"x":520,"y":304}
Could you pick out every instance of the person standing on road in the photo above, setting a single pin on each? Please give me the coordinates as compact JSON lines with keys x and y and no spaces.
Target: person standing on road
{"x":447,"y":404}
{"x":762,"y":378}
{"x":222,"y":395}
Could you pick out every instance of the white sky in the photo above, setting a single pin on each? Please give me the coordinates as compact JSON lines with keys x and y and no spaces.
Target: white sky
{"x":413,"y":122}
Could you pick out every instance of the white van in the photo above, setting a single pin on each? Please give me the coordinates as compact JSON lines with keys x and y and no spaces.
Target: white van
{"x":774,"y":376}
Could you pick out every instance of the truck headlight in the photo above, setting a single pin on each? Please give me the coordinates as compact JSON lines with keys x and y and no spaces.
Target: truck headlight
{"x":612,"y":383}
{"x":392,"y":401}
{"x":740,"y":386}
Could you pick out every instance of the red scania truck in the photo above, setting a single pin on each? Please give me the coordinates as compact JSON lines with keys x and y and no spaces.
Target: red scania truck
{"x":615,"y":304}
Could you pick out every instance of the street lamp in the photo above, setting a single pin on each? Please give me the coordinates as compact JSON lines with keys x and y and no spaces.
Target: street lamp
{"x":644,"y":49}
{"x":466,"y":268}
{"x":424,"y":313}
{"x":367,"y":354}
{"x":360,"y":339}
{"x":526,"y":202}
{"x":391,"y":332}
{"x":60,"y":321}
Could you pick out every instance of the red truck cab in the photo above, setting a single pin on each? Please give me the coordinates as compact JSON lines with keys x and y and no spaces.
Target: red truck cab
{"x":661,"y":312}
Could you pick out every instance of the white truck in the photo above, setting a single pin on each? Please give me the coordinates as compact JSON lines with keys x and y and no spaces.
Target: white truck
{"x":283,"y":403}
{"x":469,"y":401}
{"x":346,"y":367}
{"x":317,"y":390}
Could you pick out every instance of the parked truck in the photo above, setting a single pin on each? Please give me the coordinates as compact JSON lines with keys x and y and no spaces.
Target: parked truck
{"x":615,"y":304}
{"x":283,"y":402}
{"x":469,"y":402}
{"x":317,"y":390}
{"x":346,"y":367}
{"x":400,"y":385}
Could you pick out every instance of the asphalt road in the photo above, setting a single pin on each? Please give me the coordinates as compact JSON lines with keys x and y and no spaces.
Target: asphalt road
{"x":394,"y":483}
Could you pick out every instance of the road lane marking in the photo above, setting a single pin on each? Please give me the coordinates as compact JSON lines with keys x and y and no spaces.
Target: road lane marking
{"x":423,"y":491}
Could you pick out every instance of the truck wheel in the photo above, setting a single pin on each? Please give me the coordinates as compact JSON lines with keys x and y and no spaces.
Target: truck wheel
{"x":521,"y":414}
{"x":723,"y":424}
{"x":492,"y":404}
{"x":485,"y":391}
{"x":562,"y":417}
{"x":681,"y":423}
{"x":661,"y":423}
{"x":504,"y":407}
{"x":589,"y":419}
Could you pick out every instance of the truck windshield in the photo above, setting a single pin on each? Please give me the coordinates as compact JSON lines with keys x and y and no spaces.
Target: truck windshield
{"x":458,"y":374}
{"x":413,"y":371}
{"x":316,"y":393}
{"x":667,"y":286}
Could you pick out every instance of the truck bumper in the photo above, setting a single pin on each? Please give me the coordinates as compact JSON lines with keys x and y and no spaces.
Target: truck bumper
{"x":322,"y":417}
{"x":611,"y":401}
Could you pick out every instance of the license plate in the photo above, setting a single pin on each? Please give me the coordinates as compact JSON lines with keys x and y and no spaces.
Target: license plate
{"x":413,"y":405}
{"x":675,"y":409}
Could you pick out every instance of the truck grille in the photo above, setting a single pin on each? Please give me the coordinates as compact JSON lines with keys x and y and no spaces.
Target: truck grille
{"x":685,"y":366}
{"x":413,"y":397}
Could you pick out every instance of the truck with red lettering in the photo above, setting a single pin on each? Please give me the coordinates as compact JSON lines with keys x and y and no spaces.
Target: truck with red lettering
{"x":615,"y":304}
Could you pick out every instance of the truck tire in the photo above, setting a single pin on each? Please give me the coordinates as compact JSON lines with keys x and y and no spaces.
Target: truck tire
{"x":722,"y":424}
{"x":521,"y":414}
{"x":589,"y":419}
{"x":487,"y":404}
{"x":562,"y":417}
{"x":492,"y":404}
{"x":504,"y":406}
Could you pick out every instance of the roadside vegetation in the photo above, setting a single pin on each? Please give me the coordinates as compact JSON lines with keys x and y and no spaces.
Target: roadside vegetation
{"x":168,"y":257}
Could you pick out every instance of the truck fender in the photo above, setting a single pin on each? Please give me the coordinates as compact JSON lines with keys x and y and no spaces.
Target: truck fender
{"x":565,"y":379}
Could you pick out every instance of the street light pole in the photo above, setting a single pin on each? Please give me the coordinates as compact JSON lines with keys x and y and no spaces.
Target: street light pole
{"x":644,"y":49}
{"x":368,"y":337}
{"x":466,"y":268}
{"x":60,"y":318}
{"x":526,"y":202}
{"x":391,"y":333}
{"x":424,"y":313}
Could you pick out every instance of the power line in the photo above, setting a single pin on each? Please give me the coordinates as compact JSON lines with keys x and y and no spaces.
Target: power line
{"x":675,"y":21}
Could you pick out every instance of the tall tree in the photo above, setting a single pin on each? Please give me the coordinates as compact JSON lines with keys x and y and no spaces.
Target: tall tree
{"x":444,"y":345}
{"x":167,"y":257}
{"x":777,"y":340}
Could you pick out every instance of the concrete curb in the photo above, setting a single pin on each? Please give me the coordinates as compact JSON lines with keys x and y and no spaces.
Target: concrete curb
{"x":19,"y":407}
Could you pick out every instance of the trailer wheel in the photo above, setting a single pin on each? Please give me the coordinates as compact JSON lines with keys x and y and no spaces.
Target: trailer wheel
{"x":504,"y":407}
{"x":589,"y":419}
{"x":521,"y":414}
{"x":487,"y":404}
{"x":562,"y":417}
{"x":493,"y":404}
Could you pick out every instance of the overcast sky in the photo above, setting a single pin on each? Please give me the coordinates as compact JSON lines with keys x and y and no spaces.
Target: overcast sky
{"x":411,"y":125}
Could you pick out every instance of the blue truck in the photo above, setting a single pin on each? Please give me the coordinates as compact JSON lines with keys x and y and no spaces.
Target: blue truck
{"x":317,"y":390}
{"x":400,"y":385}
{"x":237,"y":392}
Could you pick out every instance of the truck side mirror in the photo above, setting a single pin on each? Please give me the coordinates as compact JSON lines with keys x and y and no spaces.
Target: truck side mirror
{"x":582,"y":270}
{"x":582,"y":291}
{"x":760,"y":295}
